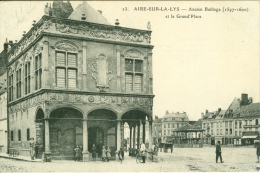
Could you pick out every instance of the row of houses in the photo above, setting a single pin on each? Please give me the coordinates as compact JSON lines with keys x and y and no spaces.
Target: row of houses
{"x":236,"y":125}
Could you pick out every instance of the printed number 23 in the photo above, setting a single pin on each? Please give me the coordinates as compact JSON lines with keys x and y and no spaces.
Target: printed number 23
{"x":125,"y":9}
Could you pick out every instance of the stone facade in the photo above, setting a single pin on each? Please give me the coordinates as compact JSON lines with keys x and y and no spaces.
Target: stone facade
{"x":75,"y":83}
{"x":238,"y":125}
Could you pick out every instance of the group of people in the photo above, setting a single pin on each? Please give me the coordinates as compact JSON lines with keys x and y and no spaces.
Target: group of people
{"x":104,"y":153}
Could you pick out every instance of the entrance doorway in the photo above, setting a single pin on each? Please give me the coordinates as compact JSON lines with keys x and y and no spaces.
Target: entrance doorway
{"x":95,"y":136}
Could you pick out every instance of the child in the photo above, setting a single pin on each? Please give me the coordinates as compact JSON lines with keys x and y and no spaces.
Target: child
{"x":77,"y":153}
{"x":103,"y":151}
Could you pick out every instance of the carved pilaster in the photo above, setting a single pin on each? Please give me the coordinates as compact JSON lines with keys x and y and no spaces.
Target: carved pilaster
{"x":150,"y":62}
{"x":45,"y":62}
{"x":84,"y":57}
{"x":118,"y":55}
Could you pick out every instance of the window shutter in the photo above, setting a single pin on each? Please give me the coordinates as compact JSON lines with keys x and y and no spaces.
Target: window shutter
{"x":72,"y":60}
{"x":129,"y":82}
{"x":60,"y":59}
{"x":72,"y":78}
{"x":138,"y":83}
{"x":60,"y":77}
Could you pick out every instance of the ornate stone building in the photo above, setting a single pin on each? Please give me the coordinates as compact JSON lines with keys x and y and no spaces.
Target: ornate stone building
{"x":76,"y":81}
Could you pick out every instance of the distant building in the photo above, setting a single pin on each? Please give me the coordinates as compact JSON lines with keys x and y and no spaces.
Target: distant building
{"x":238,"y":125}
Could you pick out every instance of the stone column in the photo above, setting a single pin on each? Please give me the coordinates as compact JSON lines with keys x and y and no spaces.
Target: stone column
{"x":144,"y":132}
{"x":85,"y":141}
{"x":130,"y":146}
{"x":134,"y":137}
{"x":130,"y":126}
{"x":150,"y":134}
{"x":47,"y":137}
{"x":138,"y":135}
{"x":118,"y":135}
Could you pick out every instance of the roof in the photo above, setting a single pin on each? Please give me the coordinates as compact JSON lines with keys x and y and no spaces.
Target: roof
{"x":190,"y":128}
{"x":176,"y":115}
{"x":247,"y":110}
{"x":3,"y":84}
{"x":157,"y":120}
{"x":90,"y":13}
{"x":221,"y":114}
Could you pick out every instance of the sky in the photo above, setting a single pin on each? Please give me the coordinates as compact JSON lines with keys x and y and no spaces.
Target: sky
{"x":198,"y":63}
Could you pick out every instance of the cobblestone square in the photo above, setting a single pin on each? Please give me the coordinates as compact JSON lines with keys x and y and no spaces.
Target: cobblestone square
{"x":240,"y":159}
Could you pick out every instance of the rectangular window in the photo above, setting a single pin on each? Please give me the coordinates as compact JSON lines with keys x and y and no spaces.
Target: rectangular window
{"x":220,"y":131}
{"x":12,"y":135}
{"x":38,"y":71}
{"x":27,"y":77}
{"x":169,"y":132}
{"x":164,"y":132}
{"x":226,"y":123}
{"x":235,"y":124}
{"x":164,"y":125}
{"x":240,"y":124}
{"x":256,"y":121}
{"x":230,"y":131}
{"x":66,"y":70}
{"x":211,"y":125}
{"x":235,"y":133}
{"x":220,"y":124}
{"x":177,"y":125}
{"x":10,"y":88}
{"x":19,"y":135}
{"x":28,"y":134}
{"x":217,"y":132}
{"x":18,"y":83}
{"x":172,"y":125}
{"x":169,"y":125}
{"x":133,"y":75}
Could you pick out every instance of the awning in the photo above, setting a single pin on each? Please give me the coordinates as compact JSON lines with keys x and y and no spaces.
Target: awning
{"x":248,"y":137}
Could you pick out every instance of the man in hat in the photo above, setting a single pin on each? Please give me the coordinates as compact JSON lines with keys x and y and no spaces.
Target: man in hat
{"x":218,"y":152}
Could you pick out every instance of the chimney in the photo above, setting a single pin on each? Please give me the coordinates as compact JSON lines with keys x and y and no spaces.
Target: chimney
{"x":206,"y":111}
{"x":6,"y":45}
{"x":100,"y":12}
{"x":117,"y":22}
{"x":178,"y":113}
{"x":244,"y":99}
{"x":202,"y":115}
{"x":219,"y":109}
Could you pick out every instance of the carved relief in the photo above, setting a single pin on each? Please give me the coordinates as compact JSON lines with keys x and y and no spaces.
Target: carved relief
{"x":10,"y":71}
{"x":66,"y":45}
{"x":133,"y":53}
{"x":102,"y":72}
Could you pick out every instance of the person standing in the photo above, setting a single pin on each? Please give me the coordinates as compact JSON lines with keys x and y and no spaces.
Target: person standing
{"x":121,"y":154}
{"x":108,"y":151}
{"x":258,"y":152}
{"x":77,"y":153}
{"x":218,"y":152}
{"x":32,"y":148}
{"x":142,"y":149}
{"x":103,"y":155}
{"x":94,"y":150}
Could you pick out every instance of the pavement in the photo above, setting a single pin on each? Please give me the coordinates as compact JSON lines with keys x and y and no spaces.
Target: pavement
{"x":181,"y":160}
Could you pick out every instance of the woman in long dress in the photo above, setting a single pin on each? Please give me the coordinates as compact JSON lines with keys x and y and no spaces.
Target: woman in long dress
{"x":103,"y":153}
{"x":108,"y":153}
